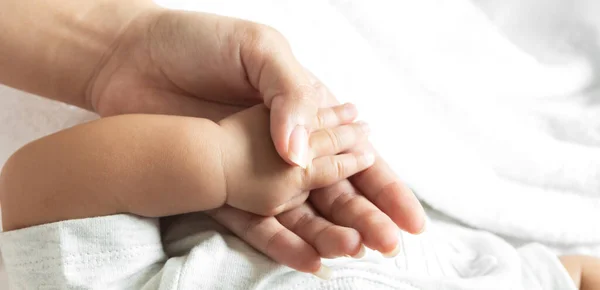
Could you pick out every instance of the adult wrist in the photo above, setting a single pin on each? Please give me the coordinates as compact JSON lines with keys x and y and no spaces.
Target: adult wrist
{"x":131,"y":15}
{"x":52,"y":48}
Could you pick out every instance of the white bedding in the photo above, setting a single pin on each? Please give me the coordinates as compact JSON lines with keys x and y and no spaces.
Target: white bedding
{"x":488,"y":110}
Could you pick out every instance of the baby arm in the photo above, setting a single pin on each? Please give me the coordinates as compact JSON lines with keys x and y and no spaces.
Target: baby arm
{"x":155,"y":166}
{"x":148,"y":165}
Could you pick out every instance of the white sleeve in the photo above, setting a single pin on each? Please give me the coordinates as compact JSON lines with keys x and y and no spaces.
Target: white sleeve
{"x":111,"y":252}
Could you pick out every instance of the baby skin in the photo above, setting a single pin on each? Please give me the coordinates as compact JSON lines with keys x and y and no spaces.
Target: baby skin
{"x":157,"y":166}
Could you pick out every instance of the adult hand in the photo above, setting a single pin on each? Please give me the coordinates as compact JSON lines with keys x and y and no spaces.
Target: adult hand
{"x":118,"y":57}
{"x":178,"y":62}
{"x":367,"y":209}
{"x":197,"y":64}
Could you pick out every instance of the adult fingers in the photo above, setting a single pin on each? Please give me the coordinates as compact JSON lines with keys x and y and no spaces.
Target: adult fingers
{"x":335,"y":116}
{"x":267,"y":235}
{"x":342,"y":204}
{"x":329,"y":170}
{"x":337,"y":140}
{"x":380,"y":185}
{"x":328,"y":239}
{"x":286,"y":89}
{"x":383,"y":188}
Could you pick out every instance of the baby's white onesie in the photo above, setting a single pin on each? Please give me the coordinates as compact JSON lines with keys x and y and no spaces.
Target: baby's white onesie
{"x":194,"y":252}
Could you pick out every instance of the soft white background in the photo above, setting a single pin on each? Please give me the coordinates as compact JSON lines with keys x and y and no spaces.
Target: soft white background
{"x":489,"y":108}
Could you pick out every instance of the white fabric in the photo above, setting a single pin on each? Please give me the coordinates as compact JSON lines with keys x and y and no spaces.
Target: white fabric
{"x":501,"y":139}
{"x":483,"y":122}
{"x":487,"y":108}
{"x":127,"y":252}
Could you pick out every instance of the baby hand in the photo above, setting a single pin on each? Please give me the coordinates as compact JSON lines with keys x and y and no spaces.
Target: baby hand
{"x":258,"y":180}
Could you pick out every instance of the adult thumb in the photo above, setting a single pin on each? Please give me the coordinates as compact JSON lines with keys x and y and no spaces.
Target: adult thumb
{"x":287,"y":89}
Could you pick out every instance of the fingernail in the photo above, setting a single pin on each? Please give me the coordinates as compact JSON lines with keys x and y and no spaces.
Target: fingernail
{"x":297,"y":148}
{"x":393,"y":253}
{"x":324,"y":273}
{"x":361,"y":253}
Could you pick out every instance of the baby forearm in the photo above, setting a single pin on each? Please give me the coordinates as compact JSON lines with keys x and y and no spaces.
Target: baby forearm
{"x":148,"y":165}
{"x":52,"y":48}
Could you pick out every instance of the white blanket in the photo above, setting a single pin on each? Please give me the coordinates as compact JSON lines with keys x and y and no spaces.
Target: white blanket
{"x":488,"y":110}
{"x":513,"y":144}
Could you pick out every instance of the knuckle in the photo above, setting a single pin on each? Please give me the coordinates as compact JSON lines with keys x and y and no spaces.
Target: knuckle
{"x":334,"y":139}
{"x":303,"y":178}
{"x":340,"y":203}
{"x":327,"y":118}
{"x":321,"y":120}
{"x":338,"y":167}
{"x":372,"y":218}
{"x":252,"y":225}
{"x":302,"y":221}
{"x":264,"y":37}
{"x":349,"y":204}
{"x":269,"y":247}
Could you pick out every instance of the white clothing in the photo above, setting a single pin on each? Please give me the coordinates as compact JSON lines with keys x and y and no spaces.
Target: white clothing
{"x":194,"y":252}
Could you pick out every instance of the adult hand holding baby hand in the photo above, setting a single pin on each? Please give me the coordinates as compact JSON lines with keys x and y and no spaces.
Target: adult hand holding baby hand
{"x":231,"y":62}
{"x":118,"y":57}
{"x":203,"y":65}
{"x":260,"y":182}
